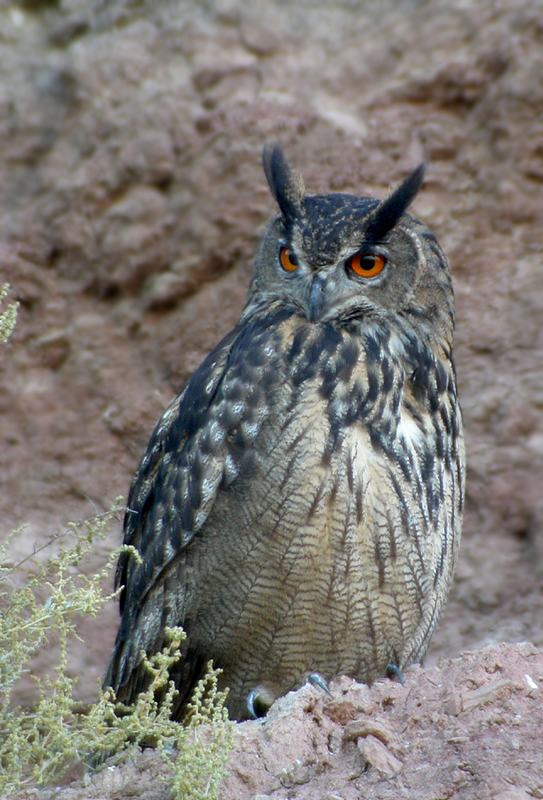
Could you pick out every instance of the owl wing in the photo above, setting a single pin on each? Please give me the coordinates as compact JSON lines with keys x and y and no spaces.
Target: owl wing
{"x":202,"y":443}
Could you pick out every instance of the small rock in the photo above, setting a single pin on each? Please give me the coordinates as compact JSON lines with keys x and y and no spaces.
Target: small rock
{"x":358,"y":728}
{"x":340,"y":711}
{"x":297,"y":774}
{"x":261,"y":41}
{"x":482,"y":695}
{"x":453,"y":703}
{"x":379,"y":756}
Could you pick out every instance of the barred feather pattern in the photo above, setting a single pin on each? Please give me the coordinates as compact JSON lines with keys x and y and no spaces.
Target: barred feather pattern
{"x":299,"y":505}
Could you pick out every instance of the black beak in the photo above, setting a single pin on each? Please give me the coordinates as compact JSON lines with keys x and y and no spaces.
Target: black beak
{"x":316,"y":298}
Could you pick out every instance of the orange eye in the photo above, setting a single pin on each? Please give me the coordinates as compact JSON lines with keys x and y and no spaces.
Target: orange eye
{"x":367,"y":264}
{"x":288,"y":259}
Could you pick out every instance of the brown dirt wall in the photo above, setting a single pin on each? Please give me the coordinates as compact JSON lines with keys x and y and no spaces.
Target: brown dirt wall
{"x":131,"y":202}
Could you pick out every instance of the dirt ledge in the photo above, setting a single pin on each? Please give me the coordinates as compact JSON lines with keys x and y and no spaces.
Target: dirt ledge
{"x":467,"y":728}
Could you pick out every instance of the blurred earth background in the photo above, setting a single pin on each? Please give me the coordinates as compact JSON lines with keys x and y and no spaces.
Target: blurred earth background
{"x":131,"y":202}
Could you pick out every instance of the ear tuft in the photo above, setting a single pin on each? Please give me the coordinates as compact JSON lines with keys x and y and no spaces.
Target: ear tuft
{"x":389,"y":211}
{"x":286,"y":185}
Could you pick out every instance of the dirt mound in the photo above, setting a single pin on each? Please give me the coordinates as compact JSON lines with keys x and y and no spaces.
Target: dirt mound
{"x":468,"y":728}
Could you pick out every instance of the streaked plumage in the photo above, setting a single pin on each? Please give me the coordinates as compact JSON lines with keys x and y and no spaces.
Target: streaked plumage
{"x":299,"y":505}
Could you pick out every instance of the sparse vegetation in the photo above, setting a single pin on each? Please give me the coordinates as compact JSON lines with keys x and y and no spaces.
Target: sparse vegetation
{"x":8,"y":316}
{"x":37,"y":746}
{"x":43,"y":603}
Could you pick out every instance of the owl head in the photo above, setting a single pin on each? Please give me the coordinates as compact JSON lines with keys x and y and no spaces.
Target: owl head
{"x":345,"y":259}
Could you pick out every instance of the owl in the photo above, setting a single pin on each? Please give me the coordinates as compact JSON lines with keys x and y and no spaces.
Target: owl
{"x":298,"y":510}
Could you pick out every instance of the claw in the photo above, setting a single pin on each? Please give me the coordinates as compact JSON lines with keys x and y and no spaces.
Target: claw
{"x":393,"y":670}
{"x":317,"y":680}
{"x":251,"y":697}
{"x":259,"y":701}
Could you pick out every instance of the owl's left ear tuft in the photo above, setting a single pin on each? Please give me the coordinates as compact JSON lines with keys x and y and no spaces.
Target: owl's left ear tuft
{"x":286,"y":185}
{"x":389,"y":211}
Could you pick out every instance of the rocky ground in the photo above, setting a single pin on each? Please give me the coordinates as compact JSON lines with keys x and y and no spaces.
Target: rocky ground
{"x":468,"y":729}
{"x":131,"y":202}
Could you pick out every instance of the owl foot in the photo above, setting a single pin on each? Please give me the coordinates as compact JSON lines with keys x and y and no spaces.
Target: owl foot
{"x":393,"y":671}
{"x":317,"y":680}
{"x":259,"y":702}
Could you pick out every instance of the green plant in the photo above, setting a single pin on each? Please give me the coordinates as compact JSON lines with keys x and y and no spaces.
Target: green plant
{"x":8,"y":317}
{"x":37,"y":746}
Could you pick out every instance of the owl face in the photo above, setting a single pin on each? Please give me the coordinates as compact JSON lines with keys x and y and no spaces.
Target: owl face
{"x":344,"y":258}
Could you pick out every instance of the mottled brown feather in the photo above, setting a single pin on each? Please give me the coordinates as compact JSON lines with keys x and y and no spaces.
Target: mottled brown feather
{"x":299,"y":505}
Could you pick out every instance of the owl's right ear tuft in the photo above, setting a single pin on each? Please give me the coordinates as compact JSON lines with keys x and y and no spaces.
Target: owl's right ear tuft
{"x":286,"y":185}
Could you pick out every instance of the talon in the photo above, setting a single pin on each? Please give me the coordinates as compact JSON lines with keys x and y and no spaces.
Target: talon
{"x":251,"y":697}
{"x":393,"y":671}
{"x":317,"y":680}
{"x":259,"y":702}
